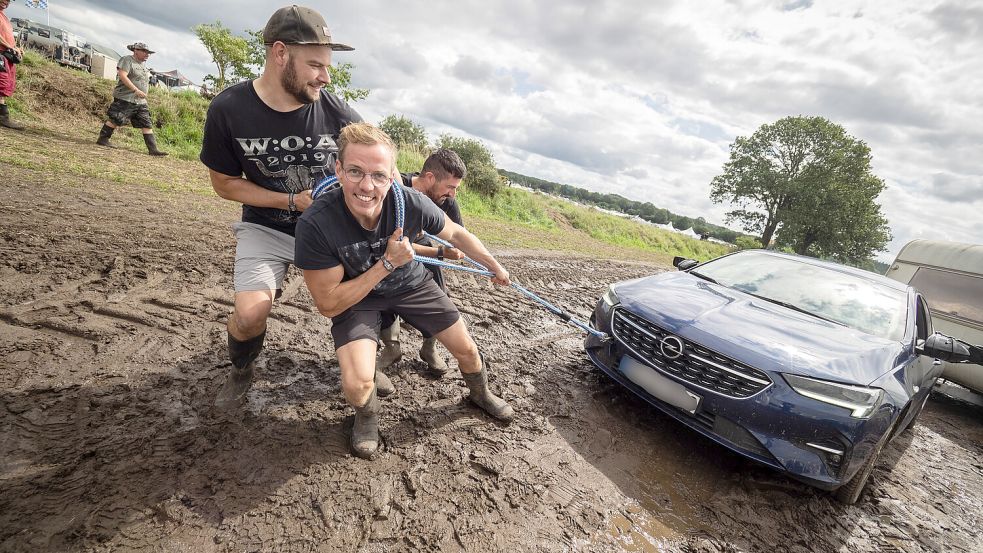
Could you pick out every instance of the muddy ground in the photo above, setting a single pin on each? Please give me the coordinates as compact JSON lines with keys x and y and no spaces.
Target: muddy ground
{"x":112,"y":346}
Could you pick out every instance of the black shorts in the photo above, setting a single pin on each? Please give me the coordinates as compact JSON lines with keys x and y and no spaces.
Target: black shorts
{"x":389,"y":318}
{"x":121,"y":112}
{"x":425,"y":307}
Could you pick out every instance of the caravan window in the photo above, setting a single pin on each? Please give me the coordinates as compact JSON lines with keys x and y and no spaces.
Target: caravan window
{"x":954,"y":294}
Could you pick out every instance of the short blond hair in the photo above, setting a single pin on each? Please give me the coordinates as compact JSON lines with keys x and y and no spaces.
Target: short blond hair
{"x":365,"y":134}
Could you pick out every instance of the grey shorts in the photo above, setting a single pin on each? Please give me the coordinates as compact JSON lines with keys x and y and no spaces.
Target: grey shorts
{"x":425,"y":307}
{"x":262,"y":257}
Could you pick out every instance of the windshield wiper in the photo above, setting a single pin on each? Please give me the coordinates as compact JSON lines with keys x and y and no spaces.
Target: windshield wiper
{"x":795,"y":308}
{"x":704,"y":277}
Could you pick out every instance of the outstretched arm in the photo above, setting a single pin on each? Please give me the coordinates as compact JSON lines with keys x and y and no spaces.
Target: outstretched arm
{"x":470,"y":245}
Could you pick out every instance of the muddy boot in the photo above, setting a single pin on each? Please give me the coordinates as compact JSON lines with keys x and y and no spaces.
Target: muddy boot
{"x":434,"y":360}
{"x":482,"y":396}
{"x":383,"y":385}
{"x":391,"y":350}
{"x":240,"y":378}
{"x":151,"y":140}
{"x":104,"y":135}
{"x":365,"y":431}
{"x":6,"y":121}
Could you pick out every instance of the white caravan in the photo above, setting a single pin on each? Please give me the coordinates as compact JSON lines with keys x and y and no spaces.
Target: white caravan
{"x":950,"y":275}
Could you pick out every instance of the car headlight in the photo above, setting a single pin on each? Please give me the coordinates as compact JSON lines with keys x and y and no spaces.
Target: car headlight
{"x":860,"y":400}
{"x":610,"y":298}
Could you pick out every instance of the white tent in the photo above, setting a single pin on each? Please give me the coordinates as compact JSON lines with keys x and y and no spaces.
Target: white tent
{"x":690,"y":232}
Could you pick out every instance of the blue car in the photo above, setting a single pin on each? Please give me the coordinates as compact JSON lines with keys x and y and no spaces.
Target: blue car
{"x":806,"y":366}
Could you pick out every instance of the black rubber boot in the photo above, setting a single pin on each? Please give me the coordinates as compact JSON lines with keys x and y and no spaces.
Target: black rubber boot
{"x":482,"y":396}
{"x":365,"y":431}
{"x":6,"y":121}
{"x":242,"y":354}
{"x":391,"y":350}
{"x":104,"y":135}
{"x":432,"y":357}
{"x":151,"y":140}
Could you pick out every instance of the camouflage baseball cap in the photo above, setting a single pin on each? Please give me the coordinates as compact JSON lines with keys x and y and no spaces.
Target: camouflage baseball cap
{"x":299,"y":25}
{"x":139,"y":46}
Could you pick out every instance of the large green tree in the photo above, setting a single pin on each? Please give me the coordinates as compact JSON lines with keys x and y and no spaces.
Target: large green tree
{"x":806,"y":183}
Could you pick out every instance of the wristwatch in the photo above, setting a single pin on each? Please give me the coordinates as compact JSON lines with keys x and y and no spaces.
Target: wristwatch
{"x":388,"y":264}
{"x":440,"y":252}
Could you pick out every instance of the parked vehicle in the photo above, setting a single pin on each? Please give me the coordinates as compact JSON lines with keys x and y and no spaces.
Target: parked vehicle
{"x":806,"y":366}
{"x":66,"y":48}
{"x":950,"y":275}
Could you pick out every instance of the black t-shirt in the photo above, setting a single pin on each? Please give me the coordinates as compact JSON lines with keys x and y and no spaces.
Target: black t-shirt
{"x":283,"y":152}
{"x":449,"y":207}
{"x":328,"y":235}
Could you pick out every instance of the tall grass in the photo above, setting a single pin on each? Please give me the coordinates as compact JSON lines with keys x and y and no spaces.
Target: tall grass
{"x":179,"y":118}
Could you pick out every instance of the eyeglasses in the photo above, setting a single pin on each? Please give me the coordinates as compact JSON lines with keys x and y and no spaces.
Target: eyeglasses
{"x":379,"y":179}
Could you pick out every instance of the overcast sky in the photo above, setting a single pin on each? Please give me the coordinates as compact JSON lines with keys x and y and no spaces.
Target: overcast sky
{"x":643,"y":97}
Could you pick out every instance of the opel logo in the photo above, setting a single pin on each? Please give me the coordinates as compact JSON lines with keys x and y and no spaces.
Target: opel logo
{"x":671,"y":347}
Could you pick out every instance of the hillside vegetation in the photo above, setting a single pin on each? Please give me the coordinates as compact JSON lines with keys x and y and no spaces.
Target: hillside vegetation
{"x":71,"y":104}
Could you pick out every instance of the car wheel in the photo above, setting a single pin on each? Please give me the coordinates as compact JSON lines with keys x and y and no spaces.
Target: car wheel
{"x":850,"y":492}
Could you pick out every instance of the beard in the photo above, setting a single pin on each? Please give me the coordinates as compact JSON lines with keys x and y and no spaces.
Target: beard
{"x":292,"y":84}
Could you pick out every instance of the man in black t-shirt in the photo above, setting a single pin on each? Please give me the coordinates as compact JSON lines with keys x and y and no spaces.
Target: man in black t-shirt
{"x":358,"y":265}
{"x":266,"y":143}
{"x":438,"y":180}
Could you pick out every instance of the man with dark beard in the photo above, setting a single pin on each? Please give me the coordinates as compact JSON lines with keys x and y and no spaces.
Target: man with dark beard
{"x":266,"y":143}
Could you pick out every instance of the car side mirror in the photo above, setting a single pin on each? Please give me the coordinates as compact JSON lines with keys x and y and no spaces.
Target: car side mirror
{"x":949,"y":349}
{"x":683,"y":263}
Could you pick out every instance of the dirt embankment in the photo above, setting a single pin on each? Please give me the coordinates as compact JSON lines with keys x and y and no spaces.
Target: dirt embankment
{"x":112,"y":304}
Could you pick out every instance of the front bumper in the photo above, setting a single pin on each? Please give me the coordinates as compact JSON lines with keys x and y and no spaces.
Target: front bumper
{"x":811,"y":441}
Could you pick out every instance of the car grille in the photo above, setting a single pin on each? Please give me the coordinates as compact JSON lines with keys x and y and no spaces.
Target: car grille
{"x":698,"y":365}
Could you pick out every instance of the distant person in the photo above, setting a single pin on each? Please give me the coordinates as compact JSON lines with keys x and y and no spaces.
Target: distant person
{"x":8,"y":77}
{"x":357,"y":268}
{"x":438,"y":180}
{"x":130,"y":99}
{"x":267,"y":142}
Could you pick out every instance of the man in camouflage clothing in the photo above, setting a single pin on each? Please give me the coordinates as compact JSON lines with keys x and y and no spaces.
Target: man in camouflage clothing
{"x":130,"y":99}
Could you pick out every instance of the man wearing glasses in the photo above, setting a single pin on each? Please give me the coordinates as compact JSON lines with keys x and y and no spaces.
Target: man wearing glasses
{"x":266,"y":143}
{"x":358,"y":266}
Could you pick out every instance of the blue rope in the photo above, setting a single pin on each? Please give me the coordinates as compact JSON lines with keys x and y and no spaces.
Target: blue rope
{"x":400,"y":207}
{"x":400,"y":204}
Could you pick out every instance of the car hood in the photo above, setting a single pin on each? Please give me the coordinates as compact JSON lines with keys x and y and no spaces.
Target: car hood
{"x":757,"y":332}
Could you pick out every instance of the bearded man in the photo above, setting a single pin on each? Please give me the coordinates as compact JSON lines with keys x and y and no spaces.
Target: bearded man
{"x":267,"y":142}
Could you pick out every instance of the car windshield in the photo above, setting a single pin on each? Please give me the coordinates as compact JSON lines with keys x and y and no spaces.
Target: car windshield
{"x":851,"y":300}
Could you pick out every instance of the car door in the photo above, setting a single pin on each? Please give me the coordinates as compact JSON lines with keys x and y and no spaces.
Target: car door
{"x":928,"y":368}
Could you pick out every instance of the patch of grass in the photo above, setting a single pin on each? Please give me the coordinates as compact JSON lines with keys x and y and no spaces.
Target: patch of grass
{"x":510,"y":206}
{"x":179,"y":118}
{"x":410,"y":160}
{"x":619,"y":231}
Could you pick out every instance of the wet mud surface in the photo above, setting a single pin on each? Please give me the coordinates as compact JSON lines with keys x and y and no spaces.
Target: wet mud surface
{"x":112,"y":347}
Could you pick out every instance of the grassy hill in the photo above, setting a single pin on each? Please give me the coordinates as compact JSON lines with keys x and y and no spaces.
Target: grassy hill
{"x":69,"y":104}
